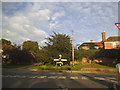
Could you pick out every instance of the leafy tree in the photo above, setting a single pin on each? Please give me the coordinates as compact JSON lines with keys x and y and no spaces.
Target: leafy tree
{"x":31,"y":46}
{"x":6,"y":47}
{"x":57,"y":44}
{"x":5,"y":42}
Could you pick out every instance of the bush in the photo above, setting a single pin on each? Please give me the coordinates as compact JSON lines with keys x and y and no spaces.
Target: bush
{"x":18,"y":56}
{"x":79,"y":54}
{"x":108,"y":53}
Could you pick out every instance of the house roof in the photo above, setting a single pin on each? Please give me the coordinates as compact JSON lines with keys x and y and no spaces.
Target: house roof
{"x":113,"y":38}
{"x":91,"y":43}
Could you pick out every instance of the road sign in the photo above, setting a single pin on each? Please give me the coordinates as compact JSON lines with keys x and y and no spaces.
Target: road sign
{"x":117,"y":25}
{"x":56,"y":60}
{"x":60,"y":60}
{"x":63,"y":59}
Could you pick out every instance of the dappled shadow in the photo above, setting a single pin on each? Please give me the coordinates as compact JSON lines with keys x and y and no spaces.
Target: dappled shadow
{"x":109,"y":57}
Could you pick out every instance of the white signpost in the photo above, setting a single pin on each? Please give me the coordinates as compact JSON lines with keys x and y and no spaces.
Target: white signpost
{"x":60,"y":61}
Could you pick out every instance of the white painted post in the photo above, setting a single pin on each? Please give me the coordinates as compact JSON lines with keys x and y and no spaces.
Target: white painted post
{"x":118,"y":72}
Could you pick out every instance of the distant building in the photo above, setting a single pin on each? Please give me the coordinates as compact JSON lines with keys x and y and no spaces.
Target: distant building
{"x":112,"y":43}
{"x":92,"y":44}
{"x":109,"y":43}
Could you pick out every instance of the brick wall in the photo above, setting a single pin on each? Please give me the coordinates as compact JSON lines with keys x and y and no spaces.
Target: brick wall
{"x":108,"y":45}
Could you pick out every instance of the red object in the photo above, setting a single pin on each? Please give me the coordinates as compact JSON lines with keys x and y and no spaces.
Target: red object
{"x":117,"y":25}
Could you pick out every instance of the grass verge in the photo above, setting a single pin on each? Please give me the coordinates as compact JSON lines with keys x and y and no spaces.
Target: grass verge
{"x":66,"y":67}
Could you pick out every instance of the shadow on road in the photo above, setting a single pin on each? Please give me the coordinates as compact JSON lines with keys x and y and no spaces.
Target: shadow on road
{"x":52,"y":83}
{"x":102,"y":82}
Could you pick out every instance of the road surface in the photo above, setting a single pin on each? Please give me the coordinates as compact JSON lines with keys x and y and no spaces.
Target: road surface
{"x":21,"y":78}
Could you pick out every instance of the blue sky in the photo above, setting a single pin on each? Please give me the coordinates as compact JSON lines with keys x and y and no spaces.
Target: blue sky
{"x":37,"y":21}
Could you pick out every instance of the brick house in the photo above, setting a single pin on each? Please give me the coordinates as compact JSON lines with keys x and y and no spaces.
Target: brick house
{"x":90,"y":45}
{"x":112,"y":42}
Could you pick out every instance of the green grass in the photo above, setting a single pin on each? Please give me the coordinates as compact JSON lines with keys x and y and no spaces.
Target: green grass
{"x":78,"y":67}
{"x":66,"y":67}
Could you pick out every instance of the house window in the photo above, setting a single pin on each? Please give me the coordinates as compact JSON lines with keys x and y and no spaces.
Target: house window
{"x":114,"y":45}
{"x":96,"y":47}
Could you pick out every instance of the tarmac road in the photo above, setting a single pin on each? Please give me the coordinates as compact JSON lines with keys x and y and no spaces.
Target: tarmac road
{"x":22,"y":78}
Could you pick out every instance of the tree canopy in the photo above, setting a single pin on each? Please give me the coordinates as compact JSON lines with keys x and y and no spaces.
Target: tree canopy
{"x":57,"y":44}
{"x":31,"y":46}
{"x":5,"y":42}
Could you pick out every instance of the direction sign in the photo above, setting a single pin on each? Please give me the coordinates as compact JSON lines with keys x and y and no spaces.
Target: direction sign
{"x":63,"y":59}
{"x":56,"y":59}
{"x":60,"y":59}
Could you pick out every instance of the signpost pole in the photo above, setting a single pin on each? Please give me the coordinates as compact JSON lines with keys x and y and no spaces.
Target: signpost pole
{"x":73,"y":48}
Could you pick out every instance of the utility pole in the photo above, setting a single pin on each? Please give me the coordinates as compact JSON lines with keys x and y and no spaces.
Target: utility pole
{"x":73,"y":48}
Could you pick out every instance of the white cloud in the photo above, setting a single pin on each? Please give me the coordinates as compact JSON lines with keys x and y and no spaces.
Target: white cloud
{"x":58,"y":15}
{"x":55,"y":22}
{"x":87,"y":19}
{"x":22,"y":25}
{"x":53,"y":25}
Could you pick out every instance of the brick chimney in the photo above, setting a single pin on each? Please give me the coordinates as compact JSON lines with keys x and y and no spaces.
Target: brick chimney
{"x":91,"y":41}
{"x":103,"y":36}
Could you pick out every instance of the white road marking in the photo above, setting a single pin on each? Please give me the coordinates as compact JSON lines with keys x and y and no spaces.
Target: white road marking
{"x":36,"y":77}
{"x":18,"y":76}
{"x":99,"y":78}
{"x":33,"y":76}
{"x":113,"y":80}
{"x":110,"y":79}
{"x":73,"y":77}
{"x":85,"y":78}
{"x":61,"y":77}
{"x":14,"y":76}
